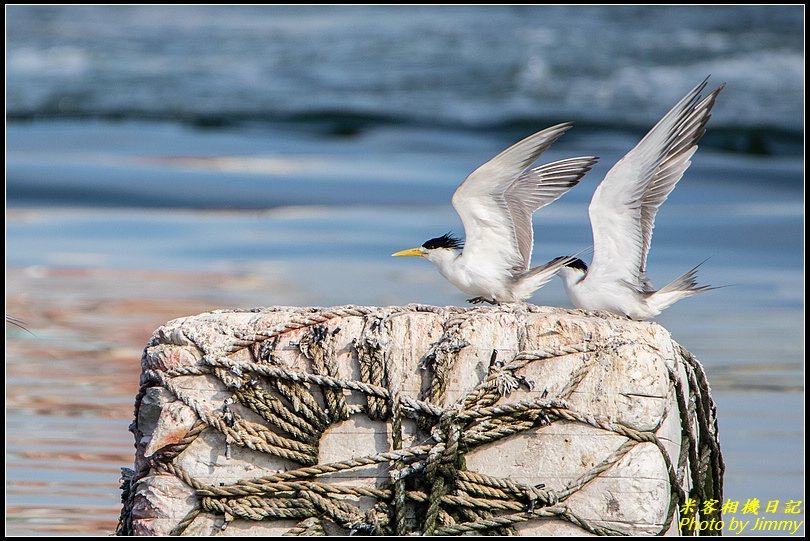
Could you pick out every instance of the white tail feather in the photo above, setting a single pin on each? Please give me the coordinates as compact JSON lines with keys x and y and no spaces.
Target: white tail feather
{"x":681,"y":287}
{"x":533,"y":279}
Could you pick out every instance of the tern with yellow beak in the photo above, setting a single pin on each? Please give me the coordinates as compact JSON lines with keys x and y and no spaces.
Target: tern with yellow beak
{"x":496,"y":203}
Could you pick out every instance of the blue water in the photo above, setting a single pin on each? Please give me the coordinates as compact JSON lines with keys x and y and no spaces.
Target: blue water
{"x":296,"y":148}
{"x":342,"y":68}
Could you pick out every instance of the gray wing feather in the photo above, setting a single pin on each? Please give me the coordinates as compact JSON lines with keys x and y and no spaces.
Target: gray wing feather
{"x":522,"y":154}
{"x":481,"y":205}
{"x":672,"y":167}
{"x":624,"y":205}
{"x":535,"y":189}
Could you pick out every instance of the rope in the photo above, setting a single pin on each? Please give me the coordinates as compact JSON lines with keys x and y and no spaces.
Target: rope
{"x":308,"y":526}
{"x":399,"y":510}
{"x":430,"y":490}
{"x":441,"y":358}
{"x":370,"y":349}
{"x":317,"y":347}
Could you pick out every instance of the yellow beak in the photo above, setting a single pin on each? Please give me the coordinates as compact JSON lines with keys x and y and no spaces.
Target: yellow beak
{"x":413,"y":252}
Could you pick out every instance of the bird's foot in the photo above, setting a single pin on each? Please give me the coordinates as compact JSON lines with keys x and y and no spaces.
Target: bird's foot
{"x":479,"y":300}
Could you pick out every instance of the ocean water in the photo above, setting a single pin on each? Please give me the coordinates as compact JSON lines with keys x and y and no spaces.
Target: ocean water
{"x":163,"y":161}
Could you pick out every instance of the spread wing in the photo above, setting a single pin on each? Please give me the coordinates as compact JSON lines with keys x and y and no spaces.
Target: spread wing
{"x":501,"y":193}
{"x":623,"y":207}
{"x":535,"y":189}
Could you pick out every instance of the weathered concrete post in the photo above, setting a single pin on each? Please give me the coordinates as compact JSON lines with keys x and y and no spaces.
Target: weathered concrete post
{"x":418,"y":419}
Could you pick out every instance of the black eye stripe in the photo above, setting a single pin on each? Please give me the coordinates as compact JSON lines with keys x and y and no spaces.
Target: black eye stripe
{"x":445,"y":241}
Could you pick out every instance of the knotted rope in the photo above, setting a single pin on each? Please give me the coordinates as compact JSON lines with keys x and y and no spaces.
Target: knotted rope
{"x":430,"y":490}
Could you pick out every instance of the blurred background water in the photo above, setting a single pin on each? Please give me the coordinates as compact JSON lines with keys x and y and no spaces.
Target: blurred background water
{"x":163,"y":161}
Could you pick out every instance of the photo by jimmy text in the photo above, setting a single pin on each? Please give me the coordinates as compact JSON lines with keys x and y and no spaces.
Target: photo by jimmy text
{"x":756,"y":518}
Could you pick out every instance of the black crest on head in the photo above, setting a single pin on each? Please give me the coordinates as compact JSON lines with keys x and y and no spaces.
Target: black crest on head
{"x":577,"y":263}
{"x":574,"y":263}
{"x":445,"y":241}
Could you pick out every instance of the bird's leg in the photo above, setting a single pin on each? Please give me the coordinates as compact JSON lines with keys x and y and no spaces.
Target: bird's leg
{"x":479,"y":300}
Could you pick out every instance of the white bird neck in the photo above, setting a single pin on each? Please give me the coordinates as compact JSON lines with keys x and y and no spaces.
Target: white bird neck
{"x":570,"y":277}
{"x":443,"y":259}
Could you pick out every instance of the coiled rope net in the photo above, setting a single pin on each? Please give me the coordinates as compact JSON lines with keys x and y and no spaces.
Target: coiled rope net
{"x":429,"y":489}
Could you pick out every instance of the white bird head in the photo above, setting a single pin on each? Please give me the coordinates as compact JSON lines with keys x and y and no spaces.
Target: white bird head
{"x":434,"y":250}
{"x":573,"y":271}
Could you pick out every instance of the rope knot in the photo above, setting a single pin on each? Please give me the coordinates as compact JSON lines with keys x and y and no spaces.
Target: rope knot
{"x":503,"y":378}
{"x":374,"y":522}
{"x":537,"y":497}
{"x":280,"y":411}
